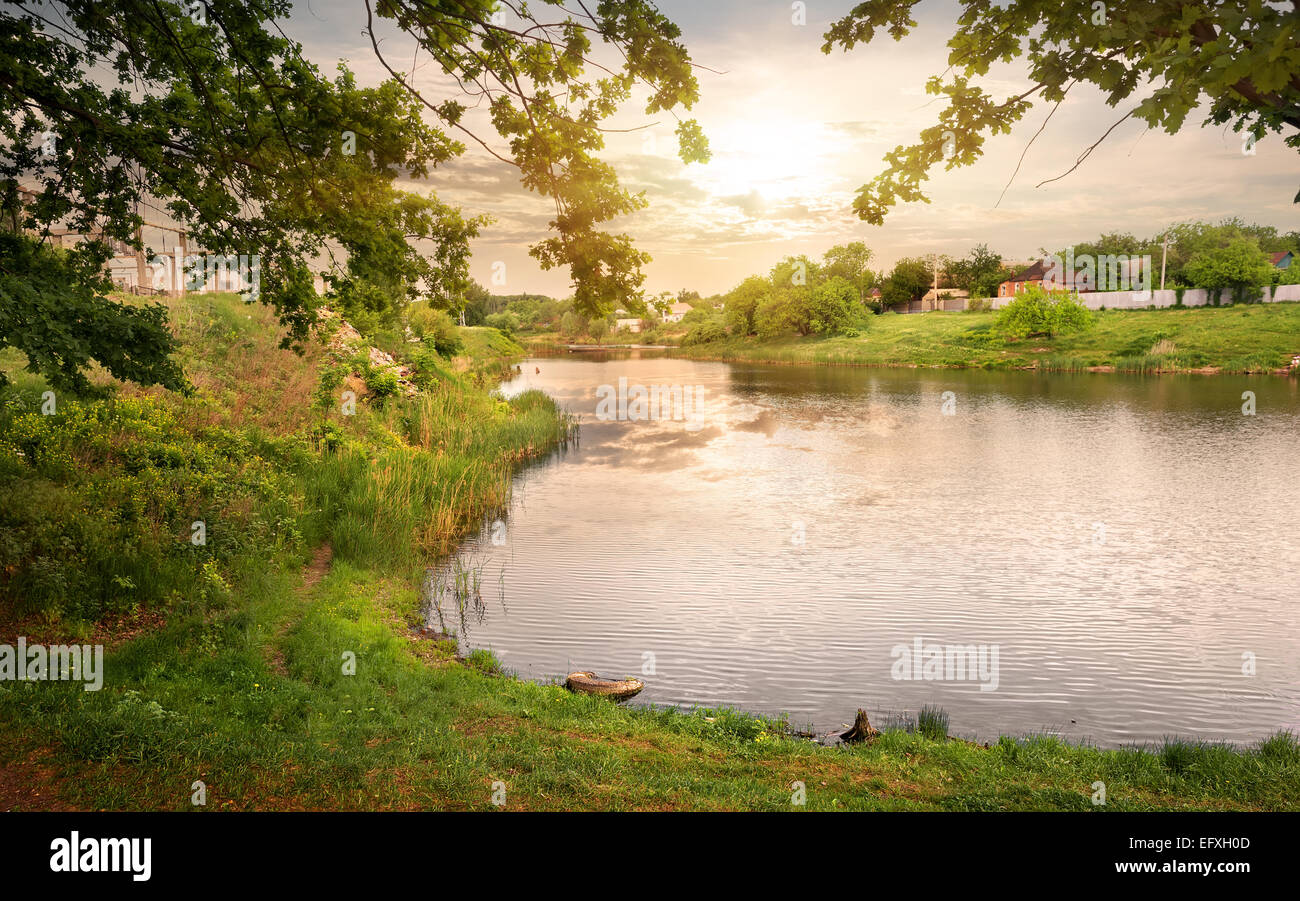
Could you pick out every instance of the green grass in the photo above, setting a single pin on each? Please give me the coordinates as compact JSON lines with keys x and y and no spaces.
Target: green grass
{"x":250,"y":696}
{"x":1236,"y":339}
{"x":231,"y":663}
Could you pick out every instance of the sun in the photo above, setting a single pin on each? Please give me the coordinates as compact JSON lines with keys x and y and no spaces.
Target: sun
{"x":772,"y":163}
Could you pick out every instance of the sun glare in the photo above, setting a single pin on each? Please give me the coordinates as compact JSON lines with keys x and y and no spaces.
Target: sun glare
{"x":775,"y":163}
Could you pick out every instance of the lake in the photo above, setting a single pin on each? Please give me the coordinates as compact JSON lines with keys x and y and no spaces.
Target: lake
{"x":1112,"y":559}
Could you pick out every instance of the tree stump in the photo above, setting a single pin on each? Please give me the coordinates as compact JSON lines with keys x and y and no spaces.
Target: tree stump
{"x":862,"y":729}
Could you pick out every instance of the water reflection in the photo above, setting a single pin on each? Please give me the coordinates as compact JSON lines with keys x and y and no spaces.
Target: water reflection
{"x":1128,"y":544}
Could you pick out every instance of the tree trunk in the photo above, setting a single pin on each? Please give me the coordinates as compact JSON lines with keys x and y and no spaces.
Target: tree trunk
{"x":862,"y":730}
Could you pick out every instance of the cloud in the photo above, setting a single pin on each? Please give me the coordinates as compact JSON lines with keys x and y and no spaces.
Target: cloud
{"x":795,"y":132}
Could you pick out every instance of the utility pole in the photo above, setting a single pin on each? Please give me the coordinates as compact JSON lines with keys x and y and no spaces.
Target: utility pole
{"x":141,"y":269}
{"x":183,"y":286}
{"x":1164,"y":255}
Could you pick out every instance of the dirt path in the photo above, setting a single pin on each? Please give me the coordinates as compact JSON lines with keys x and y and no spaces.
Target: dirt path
{"x":29,"y":782}
{"x":312,"y":574}
{"x":318,"y":567}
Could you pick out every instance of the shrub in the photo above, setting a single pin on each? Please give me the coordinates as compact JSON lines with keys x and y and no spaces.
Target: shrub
{"x":101,"y":498}
{"x":437,"y":328}
{"x":1035,"y":312}
{"x":708,"y":331}
{"x":425,"y":368}
{"x":832,"y":304}
{"x":382,"y":382}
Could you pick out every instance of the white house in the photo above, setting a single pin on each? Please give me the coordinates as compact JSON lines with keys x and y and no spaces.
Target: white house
{"x":676,"y":312}
{"x":622,"y":322}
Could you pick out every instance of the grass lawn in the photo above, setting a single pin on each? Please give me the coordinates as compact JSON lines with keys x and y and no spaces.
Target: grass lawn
{"x":279,"y":663}
{"x":253,"y":701}
{"x":1237,"y":339}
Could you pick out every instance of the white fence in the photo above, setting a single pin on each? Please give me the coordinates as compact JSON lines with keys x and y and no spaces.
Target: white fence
{"x":1192,"y":297}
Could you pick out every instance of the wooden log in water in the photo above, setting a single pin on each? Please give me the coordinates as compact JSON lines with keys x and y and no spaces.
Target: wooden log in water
{"x":616,"y":689}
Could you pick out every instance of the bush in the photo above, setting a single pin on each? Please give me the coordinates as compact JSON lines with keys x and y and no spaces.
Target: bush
{"x":708,"y":331}
{"x":382,"y":382}
{"x":507,"y":322}
{"x":1035,"y":312}
{"x":437,"y":328}
{"x":425,"y":368}
{"x":100,"y":501}
{"x":832,"y":305}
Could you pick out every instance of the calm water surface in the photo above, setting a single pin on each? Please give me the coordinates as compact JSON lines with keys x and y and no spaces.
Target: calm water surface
{"x":1125,"y":543}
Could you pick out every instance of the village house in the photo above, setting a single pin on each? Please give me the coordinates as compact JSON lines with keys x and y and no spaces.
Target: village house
{"x":676,"y":312}
{"x":943,"y":299}
{"x":622,"y":320}
{"x":1033,"y":275}
{"x":1281,"y":259}
{"x":182,"y":269}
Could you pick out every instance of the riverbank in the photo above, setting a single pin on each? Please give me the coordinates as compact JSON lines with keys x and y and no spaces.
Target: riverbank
{"x":1247,"y":338}
{"x":279,"y":662}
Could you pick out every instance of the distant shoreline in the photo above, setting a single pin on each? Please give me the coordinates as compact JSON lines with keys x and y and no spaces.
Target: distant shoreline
{"x":1244,"y":339}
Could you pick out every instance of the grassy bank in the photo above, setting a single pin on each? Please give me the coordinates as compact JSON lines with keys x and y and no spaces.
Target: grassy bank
{"x":279,"y":661}
{"x":1235,"y":339}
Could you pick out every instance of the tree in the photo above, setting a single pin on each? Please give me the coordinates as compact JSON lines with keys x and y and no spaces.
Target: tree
{"x":979,"y":273}
{"x":782,"y":311}
{"x":1240,"y":56}
{"x":741,"y":304}
{"x":909,"y":280}
{"x":833,"y":303}
{"x":572,"y":325}
{"x":474,"y":301}
{"x":53,"y":308}
{"x":849,"y":261}
{"x":506,"y":322}
{"x":1237,"y":266}
{"x":219,"y":119}
{"x":1186,"y":240}
{"x":795,"y":271}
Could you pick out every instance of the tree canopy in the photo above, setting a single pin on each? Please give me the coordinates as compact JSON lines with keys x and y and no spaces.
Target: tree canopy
{"x":1241,"y":57}
{"x":211,"y":112}
{"x":1186,"y":241}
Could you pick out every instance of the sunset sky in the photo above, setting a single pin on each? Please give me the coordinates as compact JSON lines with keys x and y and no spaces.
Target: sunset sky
{"x":795,"y":132}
